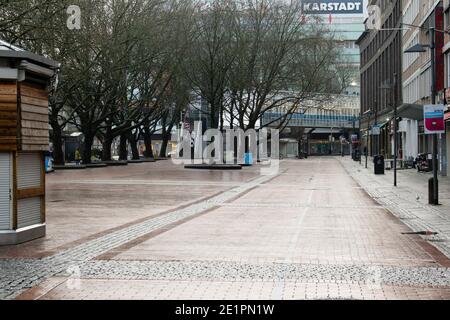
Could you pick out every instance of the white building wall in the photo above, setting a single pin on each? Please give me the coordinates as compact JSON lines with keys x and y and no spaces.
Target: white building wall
{"x":409,"y":130}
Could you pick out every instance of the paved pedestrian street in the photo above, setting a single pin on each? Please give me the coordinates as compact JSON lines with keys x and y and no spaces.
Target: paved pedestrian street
{"x":323,"y":228}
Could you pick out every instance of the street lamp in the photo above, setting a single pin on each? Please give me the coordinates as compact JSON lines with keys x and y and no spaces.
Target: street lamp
{"x":368,"y":114}
{"x":394,"y":105}
{"x":419,"y":48}
{"x":331,"y":138}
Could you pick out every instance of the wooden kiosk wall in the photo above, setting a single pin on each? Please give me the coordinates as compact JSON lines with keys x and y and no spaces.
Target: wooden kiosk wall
{"x":24,"y":133}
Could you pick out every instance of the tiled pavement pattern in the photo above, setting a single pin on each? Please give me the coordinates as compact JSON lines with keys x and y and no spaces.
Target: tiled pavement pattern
{"x":228,"y":290}
{"x":98,"y":201}
{"x":21,"y":275}
{"x":409,"y":201}
{"x":309,"y":233}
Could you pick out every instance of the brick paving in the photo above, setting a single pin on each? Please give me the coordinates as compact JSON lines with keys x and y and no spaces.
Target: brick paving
{"x":409,"y":201}
{"x":98,"y":201}
{"x":230,"y":290}
{"x":311,"y":232}
{"x":21,"y":275}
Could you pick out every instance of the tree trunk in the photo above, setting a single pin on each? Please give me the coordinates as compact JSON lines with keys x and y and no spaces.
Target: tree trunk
{"x":214,"y":121}
{"x":222,"y":120}
{"x":148,"y":143}
{"x":232,"y":116}
{"x":213,"y":118}
{"x":134,"y":145}
{"x":106,"y":149}
{"x":58,"y":153}
{"x":165,"y":142}
{"x":123,"y":148}
{"x":106,"y":145}
{"x":87,"y":148}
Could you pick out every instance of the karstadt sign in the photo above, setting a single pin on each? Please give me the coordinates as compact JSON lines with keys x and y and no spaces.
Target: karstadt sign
{"x":333,"y":6}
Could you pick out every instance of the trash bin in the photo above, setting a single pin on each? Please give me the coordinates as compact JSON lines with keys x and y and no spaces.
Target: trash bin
{"x":378,"y":164}
{"x":356,"y":155}
{"x":48,"y":163}
{"x":431,"y":199}
{"x":248,"y":159}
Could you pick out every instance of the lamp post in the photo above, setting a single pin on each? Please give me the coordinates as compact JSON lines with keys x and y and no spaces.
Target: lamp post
{"x":368,"y":114}
{"x":358,"y":118}
{"x":393,"y":87}
{"x":419,"y":48}
{"x":331,"y":140}
{"x":359,"y":124}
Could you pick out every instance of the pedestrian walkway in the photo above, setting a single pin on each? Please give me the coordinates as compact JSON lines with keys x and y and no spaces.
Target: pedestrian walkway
{"x":309,"y":232}
{"x":409,"y":200}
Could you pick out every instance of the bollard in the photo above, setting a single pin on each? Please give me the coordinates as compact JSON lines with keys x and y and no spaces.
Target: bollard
{"x":431,"y":199}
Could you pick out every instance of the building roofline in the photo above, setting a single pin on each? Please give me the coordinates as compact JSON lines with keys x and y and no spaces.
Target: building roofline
{"x":14,"y":52}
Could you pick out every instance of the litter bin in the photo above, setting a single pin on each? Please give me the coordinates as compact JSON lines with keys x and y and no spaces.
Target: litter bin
{"x":248,"y":159}
{"x":378,"y":164}
{"x":48,"y":163}
{"x":356,"y":155}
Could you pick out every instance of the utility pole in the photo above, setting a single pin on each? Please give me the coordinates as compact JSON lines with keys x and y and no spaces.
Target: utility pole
{"x":394,"y":88}
{"x":433,"y":184}
{"x":435,"y":199}
{"x":369,"y":113}
{"x":360,"y":138}
{"x":374,"y":146}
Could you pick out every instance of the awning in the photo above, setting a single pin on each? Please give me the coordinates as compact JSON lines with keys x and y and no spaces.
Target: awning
{"x":408,"y":111}
{"x":382,"y":125}
{"x":411,"y":111}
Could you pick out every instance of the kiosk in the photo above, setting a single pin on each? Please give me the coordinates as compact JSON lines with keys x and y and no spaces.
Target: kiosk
{"x":24,"y":138}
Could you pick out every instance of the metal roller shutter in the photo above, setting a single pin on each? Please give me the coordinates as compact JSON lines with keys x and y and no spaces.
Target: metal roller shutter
{"x":29,"y":170}
{"x":28,"y":212}
{"x":5,"y":187}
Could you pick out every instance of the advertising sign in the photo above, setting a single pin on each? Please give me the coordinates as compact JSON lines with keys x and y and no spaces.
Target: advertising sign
{"x":376,"y":130}
{"x":434,"y":118}
{"x":332,"y":6}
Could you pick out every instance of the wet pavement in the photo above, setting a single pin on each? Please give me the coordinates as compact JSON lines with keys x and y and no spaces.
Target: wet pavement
{"x":158,"y":231}
{"x":83,"y":205}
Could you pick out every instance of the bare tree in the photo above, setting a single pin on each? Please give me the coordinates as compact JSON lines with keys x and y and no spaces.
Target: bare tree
{"x":283,"y":65}
{"x":137,"y":63}
{"x":212,"y":53}
{"x":25,"y":22}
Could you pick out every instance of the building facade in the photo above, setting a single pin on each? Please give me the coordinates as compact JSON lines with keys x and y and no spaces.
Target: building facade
{"x":446,"y":53}
{"x":320,"y":128}
{"x":381,"y":78}
{"x":418,"y":16}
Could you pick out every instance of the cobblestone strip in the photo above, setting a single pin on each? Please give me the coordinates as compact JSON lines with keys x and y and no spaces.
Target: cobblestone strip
{"x":403,"y":204}
{"x":234,"y":271}
{"x":19,"y":275}
{"x":292,"y":205}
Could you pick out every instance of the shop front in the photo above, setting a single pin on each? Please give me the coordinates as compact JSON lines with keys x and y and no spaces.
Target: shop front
{"x":447,"y":137}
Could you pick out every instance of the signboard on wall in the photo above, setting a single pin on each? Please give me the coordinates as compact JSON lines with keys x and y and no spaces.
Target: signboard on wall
{"x":376,"y":130}
{"x":333,"y":6}
{"x":434,"y":118}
